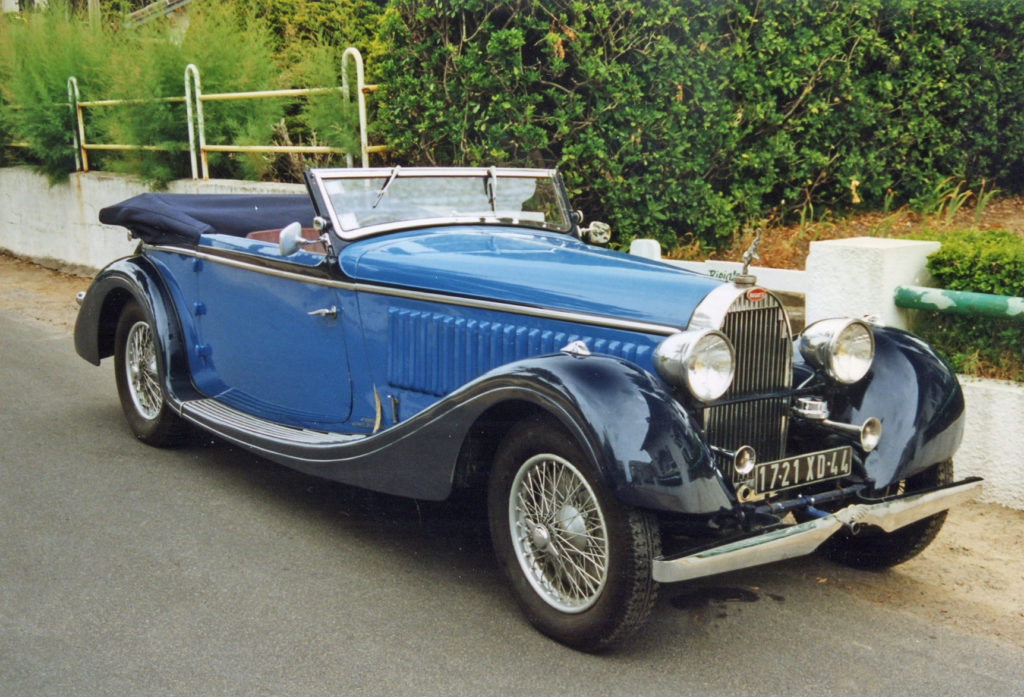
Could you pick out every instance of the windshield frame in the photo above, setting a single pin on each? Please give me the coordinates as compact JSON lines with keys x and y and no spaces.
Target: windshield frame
{"x":321,"y":177}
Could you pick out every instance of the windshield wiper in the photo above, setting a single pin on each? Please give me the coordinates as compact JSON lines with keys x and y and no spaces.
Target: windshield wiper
{"x":384,"y":189}
{"x":492,"y":187}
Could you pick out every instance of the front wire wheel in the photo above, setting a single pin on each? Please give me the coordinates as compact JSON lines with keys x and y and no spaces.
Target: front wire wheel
{"x":577,"y":560}
{"x":137,"y":372}
{"x":559,"y":533}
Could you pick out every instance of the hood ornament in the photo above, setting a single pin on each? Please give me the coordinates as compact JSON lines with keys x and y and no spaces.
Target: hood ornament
{"x":744,"y":278}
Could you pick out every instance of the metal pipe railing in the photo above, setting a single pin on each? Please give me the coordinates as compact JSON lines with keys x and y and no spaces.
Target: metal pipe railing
{"x":196,"y":125}
{"x":194,"y":99}
{"x":960,"y":302}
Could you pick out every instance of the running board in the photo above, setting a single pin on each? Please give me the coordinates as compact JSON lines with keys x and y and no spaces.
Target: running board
{"x":231,"y":423}
{"x":804,"y":538}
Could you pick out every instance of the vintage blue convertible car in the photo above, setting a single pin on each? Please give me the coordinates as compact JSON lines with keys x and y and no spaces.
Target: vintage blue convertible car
{"x":422,"y":331}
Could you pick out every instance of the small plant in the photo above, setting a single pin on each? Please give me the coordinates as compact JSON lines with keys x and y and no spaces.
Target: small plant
{"x":944,"y":199}
{"x":806,"y":216}
{"x":981,"y":201}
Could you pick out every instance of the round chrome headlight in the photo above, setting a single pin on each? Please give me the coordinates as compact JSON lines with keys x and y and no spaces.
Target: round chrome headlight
{"x":843,"y":348}
{"x":701,"y":361}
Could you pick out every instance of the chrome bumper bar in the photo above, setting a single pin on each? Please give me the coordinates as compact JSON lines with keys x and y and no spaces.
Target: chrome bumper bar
{"x":804,"y":538}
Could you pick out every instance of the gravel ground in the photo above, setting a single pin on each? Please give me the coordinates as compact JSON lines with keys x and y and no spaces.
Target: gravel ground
{"x":971,"y":578}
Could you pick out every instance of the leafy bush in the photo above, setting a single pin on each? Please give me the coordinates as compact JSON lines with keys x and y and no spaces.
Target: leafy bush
{"x":990,"y":261}
{"x":38,"y":52}
{"x":296,"y":24}
{"x":233,"y":54}
{"x":232,"y":48}
{"x":679,"y":118}
{"x":676,"y":119}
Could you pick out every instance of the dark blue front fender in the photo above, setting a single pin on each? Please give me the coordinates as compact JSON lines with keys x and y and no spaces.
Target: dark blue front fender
{"x":916,"y":396}
{"x":647,"y":446}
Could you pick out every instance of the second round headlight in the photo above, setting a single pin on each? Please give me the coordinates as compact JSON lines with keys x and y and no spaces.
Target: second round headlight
{"x":701,"y":361}
{"x":843,"y":348}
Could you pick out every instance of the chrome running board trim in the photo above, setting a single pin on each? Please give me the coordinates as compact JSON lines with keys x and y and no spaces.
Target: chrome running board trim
{"x":804,"y":538}
{"x":210,"y":412}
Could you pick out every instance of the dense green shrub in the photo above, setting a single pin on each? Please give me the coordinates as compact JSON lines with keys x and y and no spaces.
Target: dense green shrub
{"x":296,"y":24}
{"x":677,"y":117}
{"x":990,"y":261}
{"x":234,"y":51}
{"x":233,"y":54}
{"x":669,"y":118}
{"x":38,"y":52}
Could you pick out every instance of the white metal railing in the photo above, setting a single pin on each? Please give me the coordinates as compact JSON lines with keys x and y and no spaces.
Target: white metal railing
{"x":194,"y":98}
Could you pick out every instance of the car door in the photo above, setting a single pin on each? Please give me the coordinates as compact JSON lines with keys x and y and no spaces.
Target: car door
{"x":272,"y":339}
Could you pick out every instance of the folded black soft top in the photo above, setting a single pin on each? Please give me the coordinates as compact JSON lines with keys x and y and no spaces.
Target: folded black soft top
{"x":182,"y":218}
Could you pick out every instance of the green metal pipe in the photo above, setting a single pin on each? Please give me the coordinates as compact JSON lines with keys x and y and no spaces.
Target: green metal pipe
{"x":960,"y":302}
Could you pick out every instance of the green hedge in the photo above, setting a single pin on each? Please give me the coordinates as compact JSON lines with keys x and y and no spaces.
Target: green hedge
{"x":990,"y":261}
{"x":680,"y":118}
{"x":674,"y":119}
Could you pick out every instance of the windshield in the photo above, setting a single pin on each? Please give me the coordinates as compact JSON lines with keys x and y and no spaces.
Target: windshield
{"x":365,"y":201}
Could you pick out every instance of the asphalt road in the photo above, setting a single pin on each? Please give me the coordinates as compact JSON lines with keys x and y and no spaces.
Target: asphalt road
{"x":127,"y":570}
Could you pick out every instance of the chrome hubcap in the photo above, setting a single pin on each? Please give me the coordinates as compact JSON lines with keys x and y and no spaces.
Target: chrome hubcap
{"x":558,"y":533}
{"x":141,"y":369}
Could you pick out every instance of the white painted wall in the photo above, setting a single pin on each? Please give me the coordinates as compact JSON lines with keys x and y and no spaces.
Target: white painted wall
{"x":993,"y":445}
{"x":58,"y":226}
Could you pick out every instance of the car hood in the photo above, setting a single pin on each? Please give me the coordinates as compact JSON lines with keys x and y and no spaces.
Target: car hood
{"x":534,"y":268}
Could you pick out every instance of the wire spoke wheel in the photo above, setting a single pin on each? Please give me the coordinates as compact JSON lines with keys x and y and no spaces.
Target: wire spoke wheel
{"x":142,"y":373}
{"x":578,"y":561}
{"x":559,"y":533}
{"x":139,"y":378}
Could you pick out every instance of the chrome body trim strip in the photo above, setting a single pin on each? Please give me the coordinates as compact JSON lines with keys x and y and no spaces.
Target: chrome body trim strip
{"x":804,"y":538}
{"x":435,"y":297}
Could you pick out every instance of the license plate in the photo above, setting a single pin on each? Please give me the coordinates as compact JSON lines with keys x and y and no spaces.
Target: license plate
{"x":780,"y":475}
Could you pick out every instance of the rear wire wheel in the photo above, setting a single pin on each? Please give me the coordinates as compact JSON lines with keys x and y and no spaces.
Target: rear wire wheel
{"x":139,"y":378}
{"x":874,"y":549}
{"x":578,"y":561}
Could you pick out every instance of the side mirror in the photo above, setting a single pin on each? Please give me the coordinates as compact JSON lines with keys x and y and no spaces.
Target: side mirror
{"x":597,"y":233}
{"x":290,"y":240}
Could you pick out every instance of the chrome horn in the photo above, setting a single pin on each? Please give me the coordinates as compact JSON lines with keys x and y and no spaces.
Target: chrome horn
{"x":868,"y":432}
{"x":816,"y":411}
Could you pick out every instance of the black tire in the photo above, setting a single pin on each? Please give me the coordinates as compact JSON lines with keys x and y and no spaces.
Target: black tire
{"x":139,"y":377}
{"x":873,"y":549}
{"x":582,"y":575}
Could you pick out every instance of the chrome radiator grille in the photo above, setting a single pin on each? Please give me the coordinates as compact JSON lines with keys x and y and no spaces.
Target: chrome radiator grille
{"x":759,"y":332}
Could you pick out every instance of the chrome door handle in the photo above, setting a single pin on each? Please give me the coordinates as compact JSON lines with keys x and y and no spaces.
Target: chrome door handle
{"x":331,"y":312}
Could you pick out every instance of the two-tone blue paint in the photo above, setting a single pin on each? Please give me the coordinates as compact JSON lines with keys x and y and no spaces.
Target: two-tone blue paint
{"x":413,"y":367}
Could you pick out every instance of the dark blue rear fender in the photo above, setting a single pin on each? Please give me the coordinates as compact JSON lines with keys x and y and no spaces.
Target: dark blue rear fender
{"x":916,"y":396}
{"x":134,"y":278}
{"x":646,"y":445}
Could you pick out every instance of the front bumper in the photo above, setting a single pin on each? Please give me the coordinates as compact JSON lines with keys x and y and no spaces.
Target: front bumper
{"x":801,"y":539}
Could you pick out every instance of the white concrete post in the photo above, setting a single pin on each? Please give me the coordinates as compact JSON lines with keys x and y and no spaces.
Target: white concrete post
{"x":648,"y":249}
{"x":858,"y":276}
